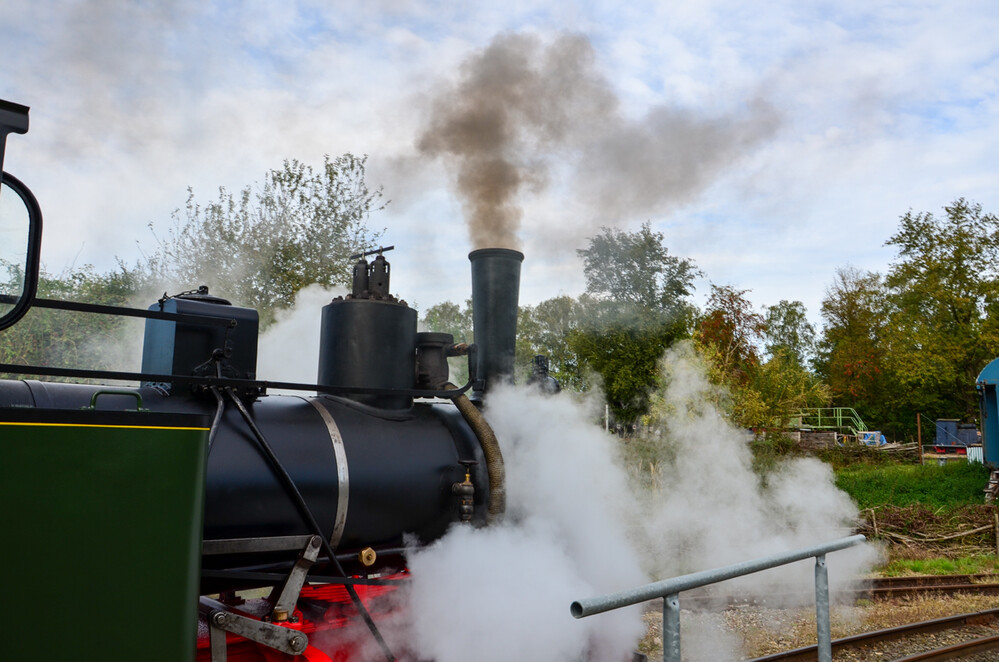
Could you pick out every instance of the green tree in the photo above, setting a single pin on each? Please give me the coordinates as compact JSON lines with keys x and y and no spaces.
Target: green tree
{"x":526,"y":347}
{"x":778,"y":389}
{"x":786,"y":329}
{"x":546,"y":329}
{"x":66,"y":339}
{"x":626,"y":357}
{"x":852,"y":353}
{"x":727,"y":336}
{"x":636,"y":268}
{"x":636,"y":305}
{"x":729,"y":333}
{"x":761,"y":394}
{"x":449,"y":317}
{"x":260,"y":247}
{"x":943,"y":287}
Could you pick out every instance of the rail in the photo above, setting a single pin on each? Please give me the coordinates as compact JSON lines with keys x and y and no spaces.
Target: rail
{"x":831,"y":418}
{"x":669,"y":590}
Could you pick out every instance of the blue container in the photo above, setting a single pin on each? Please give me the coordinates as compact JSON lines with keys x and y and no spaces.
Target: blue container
{"x":946,"y":432}
{"x":986,"y":384}
{"x":967,"y":434}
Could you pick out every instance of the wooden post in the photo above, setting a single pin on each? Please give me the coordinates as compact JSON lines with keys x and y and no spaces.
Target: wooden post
{"x":874,"y":522}
{"x":919,"y":436}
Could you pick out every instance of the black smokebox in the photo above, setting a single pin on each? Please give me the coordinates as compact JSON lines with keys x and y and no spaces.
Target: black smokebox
{"x":495,"y":294}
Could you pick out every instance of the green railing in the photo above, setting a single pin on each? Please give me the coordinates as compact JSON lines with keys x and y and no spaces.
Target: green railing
{"x":842,"y":419}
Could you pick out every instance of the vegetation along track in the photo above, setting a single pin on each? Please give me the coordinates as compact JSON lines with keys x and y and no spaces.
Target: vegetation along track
{"x":952,"y":638}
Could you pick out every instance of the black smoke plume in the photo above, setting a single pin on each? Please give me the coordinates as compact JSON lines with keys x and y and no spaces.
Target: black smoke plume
{"x":521,"y":106}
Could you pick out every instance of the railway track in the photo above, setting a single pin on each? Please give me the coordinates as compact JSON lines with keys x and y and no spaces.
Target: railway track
{"x":971,"y":636}
{"x":979,"y":634}
{"x":883,"y":588}
{"x":956,"y":652}
{"x":894,"y":587}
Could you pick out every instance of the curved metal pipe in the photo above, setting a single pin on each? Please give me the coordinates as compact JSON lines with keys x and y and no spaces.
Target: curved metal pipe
{"x":491,"y":451}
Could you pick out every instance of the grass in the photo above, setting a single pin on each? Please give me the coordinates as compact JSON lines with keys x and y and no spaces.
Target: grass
{"x":924,"y":502}
{"x":954,"y":484}
{"x":966,"y":565}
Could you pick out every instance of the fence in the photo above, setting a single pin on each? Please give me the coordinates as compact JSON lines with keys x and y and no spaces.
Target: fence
{"x":669,"y":590}
{"x":843,"y":419}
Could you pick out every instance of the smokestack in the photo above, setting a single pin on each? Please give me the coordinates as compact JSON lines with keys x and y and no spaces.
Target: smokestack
{"x":495,"y":294}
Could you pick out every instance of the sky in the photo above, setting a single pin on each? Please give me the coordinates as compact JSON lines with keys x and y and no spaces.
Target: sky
{"x":770,"y":143}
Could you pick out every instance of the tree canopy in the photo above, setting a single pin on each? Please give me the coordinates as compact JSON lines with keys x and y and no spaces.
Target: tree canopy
{"x":761,"y":394}
{"x":942,"y":288}
{"x":550,"y":326}
{"x":449,"y":317}
{"x":66,"y":339}
{"x":851,"y":353}
{"x":914,"y":340}
{"x":636,"y":268}
{"x":636,"y":305}
{"x":257,"y":248}
{"x":909,"y":341}
{"x":261,"y":246}
{"x":729,"y":332}
{"x":786,"y":330}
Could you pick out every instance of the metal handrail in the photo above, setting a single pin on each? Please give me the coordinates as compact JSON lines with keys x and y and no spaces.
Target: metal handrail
{"x":669,"y":590}
{"x":835,"y":418}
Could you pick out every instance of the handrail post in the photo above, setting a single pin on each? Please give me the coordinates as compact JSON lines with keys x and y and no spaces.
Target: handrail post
{"x":671,"y":628}
{"x":670,"y":589}
{"x":822,"y":628}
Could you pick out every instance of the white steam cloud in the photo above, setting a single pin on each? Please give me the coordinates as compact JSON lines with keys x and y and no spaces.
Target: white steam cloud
{"x":289,"y":350}
{"x":565,"y":537}
{"x":583,"y":521}
{"x":576,"y":527}
{"x":711,"y":509}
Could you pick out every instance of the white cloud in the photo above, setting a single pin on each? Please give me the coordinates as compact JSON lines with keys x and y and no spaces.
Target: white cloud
{"x":883,"y":108}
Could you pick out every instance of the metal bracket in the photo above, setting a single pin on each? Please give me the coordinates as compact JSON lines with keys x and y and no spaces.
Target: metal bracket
{"x":221,"y":620}
{"x":251,"y":545}
{"x":285,"y":604}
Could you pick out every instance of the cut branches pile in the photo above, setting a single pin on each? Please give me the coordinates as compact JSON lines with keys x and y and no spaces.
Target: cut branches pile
{"x":967,"y":529}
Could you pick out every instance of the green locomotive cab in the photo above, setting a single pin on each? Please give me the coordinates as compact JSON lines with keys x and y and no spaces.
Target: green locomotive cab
{"x":102,"y":510}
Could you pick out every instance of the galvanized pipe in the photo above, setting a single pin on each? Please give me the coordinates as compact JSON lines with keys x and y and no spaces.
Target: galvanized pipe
{"x":671,"y":628}
{"x":597,"y":605}
{"x":822,"y":629}
{"x":669,"y":590}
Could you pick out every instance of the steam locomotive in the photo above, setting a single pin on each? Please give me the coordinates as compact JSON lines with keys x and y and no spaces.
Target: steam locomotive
{"x":136,"y":519}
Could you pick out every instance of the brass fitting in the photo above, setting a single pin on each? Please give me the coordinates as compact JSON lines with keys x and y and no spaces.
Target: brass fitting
{"x":465,"y":492}
{"x":367,"y":557}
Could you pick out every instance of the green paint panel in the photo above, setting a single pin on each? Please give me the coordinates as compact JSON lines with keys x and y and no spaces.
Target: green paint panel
{"x":101,"y":533}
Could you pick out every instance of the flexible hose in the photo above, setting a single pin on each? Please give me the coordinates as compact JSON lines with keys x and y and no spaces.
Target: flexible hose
{"x":306,"y":513}
{"x":491,"y":451}
{"x":219,"y":408}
